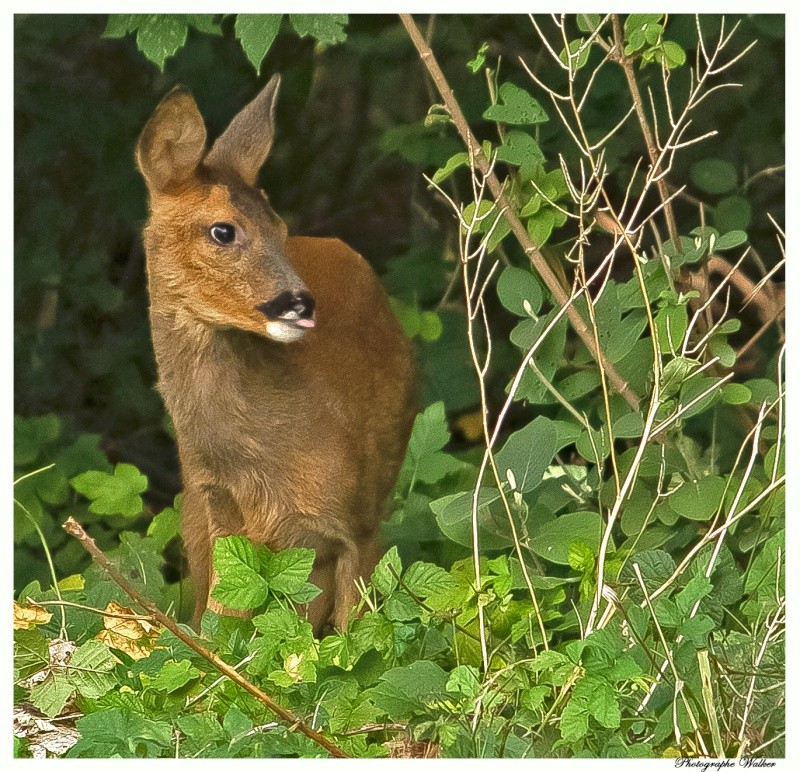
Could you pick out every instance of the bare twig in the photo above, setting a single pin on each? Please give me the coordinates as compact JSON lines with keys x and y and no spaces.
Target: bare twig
{"x":72,"y":527}
{"x":547,"y":274}
{"x":649,"y":140}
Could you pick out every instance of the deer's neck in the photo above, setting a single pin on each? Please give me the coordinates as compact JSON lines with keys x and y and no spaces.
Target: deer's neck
{"x":220,"y":387}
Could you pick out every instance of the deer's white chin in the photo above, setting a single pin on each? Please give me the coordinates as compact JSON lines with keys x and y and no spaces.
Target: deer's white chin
{"x":284,"y":332}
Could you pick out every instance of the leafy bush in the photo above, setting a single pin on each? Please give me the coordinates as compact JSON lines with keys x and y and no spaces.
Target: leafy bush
{"x":588,"y":531}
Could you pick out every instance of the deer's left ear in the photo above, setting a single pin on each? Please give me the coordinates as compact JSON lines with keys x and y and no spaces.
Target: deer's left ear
{"x":245,"y":144}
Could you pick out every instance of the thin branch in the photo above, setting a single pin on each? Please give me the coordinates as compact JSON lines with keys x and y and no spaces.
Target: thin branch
{"x":551,"y":280}
{"x":652,"y":150}
{"x":73,"y":528}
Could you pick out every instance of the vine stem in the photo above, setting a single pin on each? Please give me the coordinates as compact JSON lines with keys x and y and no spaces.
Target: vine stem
{"x":538,"y":261}
{"x":74,"y":528}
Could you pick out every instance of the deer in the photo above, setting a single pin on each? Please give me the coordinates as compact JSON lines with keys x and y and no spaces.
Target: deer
{"x":288,"y":379}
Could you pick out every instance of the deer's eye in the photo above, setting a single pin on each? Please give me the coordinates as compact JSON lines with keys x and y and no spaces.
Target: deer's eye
{"x":222,"y":232}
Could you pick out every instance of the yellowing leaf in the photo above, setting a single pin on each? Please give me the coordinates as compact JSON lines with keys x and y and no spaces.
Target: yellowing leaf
{"x":126,"y":632}
{"x":27,"y":617}
{"x":292,"y":665}
{"x":74,"y":582}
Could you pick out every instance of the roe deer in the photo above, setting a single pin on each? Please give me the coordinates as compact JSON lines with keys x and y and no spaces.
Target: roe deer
{"x":289,"y":381}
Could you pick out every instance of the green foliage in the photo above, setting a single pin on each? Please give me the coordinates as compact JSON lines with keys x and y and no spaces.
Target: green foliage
{"x":160,"y":36}
{"x":515,"y":106}
{"x":256,"y":32}
{"x":113,"y":494}
{"x":508,"y":619}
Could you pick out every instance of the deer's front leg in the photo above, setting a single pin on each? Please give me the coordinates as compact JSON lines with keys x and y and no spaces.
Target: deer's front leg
{"x":224,"y":518}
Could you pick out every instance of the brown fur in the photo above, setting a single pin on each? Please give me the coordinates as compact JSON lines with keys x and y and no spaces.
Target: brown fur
{"x":291,"y":444}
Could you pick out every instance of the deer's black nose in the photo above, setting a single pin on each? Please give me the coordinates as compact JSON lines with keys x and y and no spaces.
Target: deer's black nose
{"x":289,"y":306}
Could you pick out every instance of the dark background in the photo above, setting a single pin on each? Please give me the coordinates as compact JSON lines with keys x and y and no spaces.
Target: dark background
{"x":347,"y":162}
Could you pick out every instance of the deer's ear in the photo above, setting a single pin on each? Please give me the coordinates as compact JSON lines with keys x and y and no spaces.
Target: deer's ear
{"x":172,"y":143}
{"x":244,"y":145}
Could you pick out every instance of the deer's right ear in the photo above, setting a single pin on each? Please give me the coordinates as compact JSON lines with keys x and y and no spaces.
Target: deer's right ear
{"x":172,"y":143}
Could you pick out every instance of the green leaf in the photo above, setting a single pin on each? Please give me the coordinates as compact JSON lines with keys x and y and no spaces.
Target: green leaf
{"x":593,"y":445}
{"x":696,"y":588}
{"x":32,"y":435}
{"x":430,"y":432}
{"x":735,"y":394}
{"x":159,"y":36}
{"x":165,"y":526}
{"x":424,"y":459}
{"x":454,"y":518}
{"x":655,"y":566}
{"x":430,"y":326}
{"x":480,"y":58}
{"x":575,"y":719}
{"x":419,"y":144}
{"x":90,"y":667}
{"x":426,"y":579}
{"x":763,"y":390}
{"x":31,"y":652}
{"x":733,"y":213}
{"x":121,"y":24}
{"x":401,"y":607}
{"x":384,"y":577}
{"x":624,"y":335}
{"x":344,"y":714}
{"x":673,"y":54}
{"x":698,"y":500}
{"x":419,"y":681}
{"x":240,"y":585}
{"x":730,"y":240}
{"x":766,"y":566}
{"x":697,"y":629}
{"x":550,"y":351}
{"x":577,"y":56}
{"x":588,"y":22}
{"x":628,"y":426}
{"x":541,"y":225}
{"x":202,"y":730}
{"x":718,"y":346}
{"x":116,"y":494}
{"x":675,"y":372}
{"x":671,"y":322}
{"x":638,"y":21}
{"x":282,"y":631}
{"x":547,"y":660}
{"x":528,"y":452}
{"x":515,"y":106}
{"x":455,"y":161}
{"x":287,"y":571}
{"x":255,"y":32}
{"x":236,"y":723}
{"x":519,"y":291}
{"x":51,"y":695}
{"x":521,"y":149}
{"x":327,"y":28}
{"x":174,"y":675}
{"x":603,"y":704}
{"x":625,"y":667}
{"x":121,"y":731}
{"x":204,"y":22}
{"x":713,"y":175}
{"x":464,"y":679}
{"x":553,"y":539}
{"x":580,"y":557}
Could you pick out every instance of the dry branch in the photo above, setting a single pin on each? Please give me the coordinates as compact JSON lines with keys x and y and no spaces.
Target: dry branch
{"x":74,"y":528}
